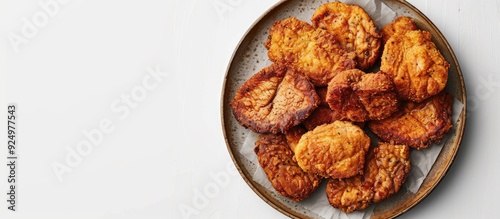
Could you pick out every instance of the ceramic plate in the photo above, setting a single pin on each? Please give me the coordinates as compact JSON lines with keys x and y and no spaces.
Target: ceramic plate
{"x":250,"y":56}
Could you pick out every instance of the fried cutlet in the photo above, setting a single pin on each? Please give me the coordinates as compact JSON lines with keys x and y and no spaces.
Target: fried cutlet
{"x":360,"y":97}
{"x":313,"y":52}
{"x":401,"y":25}
{"x":335,"y":150}
{"x":393,"y":162}
{"x":417,"y":125}
{"x":387,"y":167}
{"x":416,"y":66}
{"x":353,"y":28}
{"x":274,"y":100}
{"x":276,"y":158}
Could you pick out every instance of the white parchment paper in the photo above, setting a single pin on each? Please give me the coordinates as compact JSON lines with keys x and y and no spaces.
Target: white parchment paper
{"x":421,"y":161}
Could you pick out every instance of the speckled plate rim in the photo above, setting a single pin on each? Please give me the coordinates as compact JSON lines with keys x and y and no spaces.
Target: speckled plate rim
{"x":445,"y":158}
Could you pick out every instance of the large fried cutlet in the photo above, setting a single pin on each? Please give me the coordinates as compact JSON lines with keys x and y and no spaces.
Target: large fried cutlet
{"x":399,"y":26}
{"x":416,"y":66}
{"x":359,"y":97}
{"x":274,"y":100}
{"x":353,"y":28}
{"x":417,"y":125}
{"x":387,"y":167}
{"x":335,"y":150}
{"x":314,"y":52}
{"x":276,"y":158}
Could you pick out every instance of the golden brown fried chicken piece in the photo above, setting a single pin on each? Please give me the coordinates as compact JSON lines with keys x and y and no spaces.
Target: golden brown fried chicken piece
{"x":314,"y":52}
{"x":417,"y":125}
{"x":387,"y":167}
{"x":353,"y":28}
{"x":276,"y":158}
{"x":399,"y":26}
{"x":355,"y":193}
{"x":334,"y":150}
{"x":274,"y":100}
{"x":416,"y":66}
{"x":349,"y":194}
{"x":393,"y":162}
{"x":359,"y":97}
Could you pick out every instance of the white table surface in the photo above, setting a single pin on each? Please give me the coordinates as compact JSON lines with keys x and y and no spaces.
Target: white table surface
{"x":163,"y":149}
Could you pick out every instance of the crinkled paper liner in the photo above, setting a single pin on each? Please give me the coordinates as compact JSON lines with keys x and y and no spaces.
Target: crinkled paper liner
{"x":421,"y":161}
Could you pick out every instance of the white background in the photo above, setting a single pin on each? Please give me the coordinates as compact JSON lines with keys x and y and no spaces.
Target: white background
{"x":163,"y":155}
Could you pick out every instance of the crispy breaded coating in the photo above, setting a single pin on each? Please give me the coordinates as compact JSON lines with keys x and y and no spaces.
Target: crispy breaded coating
{"x":324,"y":115}
{"x":354,"y":193}
{"x":321,"y":115}
{"x":274,"y":100}
{"x":416,"y":66}
{"x":353,"y":28}
{"x":314,"y":52}
{"x":387,"y":167}
{"x":335,"y":150}
{"x":401,"y":25}
{"x":359,"y":97}
{"x":349,"y":194}
{"x":276,"y":158}
{"x":393,"y":162}
{"x":417,"y":125}
{"x":293,"y":136}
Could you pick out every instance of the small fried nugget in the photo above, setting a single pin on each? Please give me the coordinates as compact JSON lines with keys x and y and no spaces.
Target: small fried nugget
{"x":335,"y":150}
{"x":274,"y":100}
{"x":416,"y":66}
{"x":393,"y":162}
{"x":359,"y":97}
{"x":417,"y":125}
{"x":401,"y":25}
{"x":313,"y":52}
{"x":386,"y":168}
{"x":353,"y":28}
{"x":276,"y":158}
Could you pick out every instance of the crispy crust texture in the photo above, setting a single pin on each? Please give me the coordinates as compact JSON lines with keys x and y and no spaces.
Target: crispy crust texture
{"x":274,"y":100}
{"x":416,"y":66}
{"x":393,"y":162}
{"x":400,"y":26}
{"x":321,"y":115}
{"x":335,"y":150}
{"x":387,"y":167}
{"x":353,"y":28}
{"x":350,"y":194}
{"x":276,"y":158}
{"x":293,"y":136}
{"x":360,"y":97}
{"x":417,"y":125}
{"x":314,"y":52}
